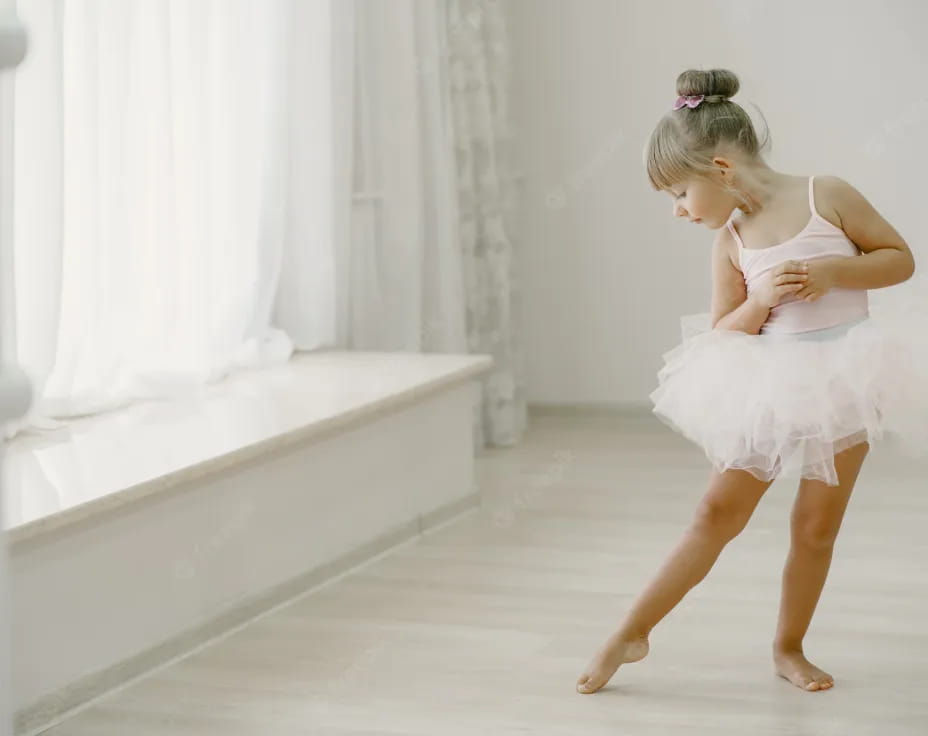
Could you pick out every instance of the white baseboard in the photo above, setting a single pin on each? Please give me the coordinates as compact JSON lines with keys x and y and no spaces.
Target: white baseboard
{"x":625,"y":408}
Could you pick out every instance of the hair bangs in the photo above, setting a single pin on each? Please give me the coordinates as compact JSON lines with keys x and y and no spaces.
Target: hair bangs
{"x":666,"y":161}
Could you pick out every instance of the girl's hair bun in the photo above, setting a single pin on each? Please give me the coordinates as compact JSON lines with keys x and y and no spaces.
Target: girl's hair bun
{"x":695,"y":128}
{"x":709,"y":82}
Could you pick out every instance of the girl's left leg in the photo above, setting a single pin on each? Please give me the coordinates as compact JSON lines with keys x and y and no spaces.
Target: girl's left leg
{"x":816,"y":519}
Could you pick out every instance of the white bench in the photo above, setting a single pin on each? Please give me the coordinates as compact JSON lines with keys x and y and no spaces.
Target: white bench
{"x":140,"y":534}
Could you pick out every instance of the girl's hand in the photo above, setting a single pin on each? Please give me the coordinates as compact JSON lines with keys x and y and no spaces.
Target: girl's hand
{"x":821,"y":278}
{"x":782,"y":282}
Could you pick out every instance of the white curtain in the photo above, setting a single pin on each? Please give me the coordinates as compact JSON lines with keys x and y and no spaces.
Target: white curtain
{"x":167,"y":155}
{"x":405,"y":281}
{"x":318,"y":197}
{"x":432,"y":258}
{"x":203,"y":186}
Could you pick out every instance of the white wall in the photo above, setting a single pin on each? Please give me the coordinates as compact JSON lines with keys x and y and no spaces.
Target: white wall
{"x":606,"y":271}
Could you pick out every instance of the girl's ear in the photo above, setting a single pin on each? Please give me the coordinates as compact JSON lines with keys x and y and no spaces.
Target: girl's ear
{"x":725,"y":168}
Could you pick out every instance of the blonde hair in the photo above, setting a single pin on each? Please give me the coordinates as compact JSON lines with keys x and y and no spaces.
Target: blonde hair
{"x":685,"y":140}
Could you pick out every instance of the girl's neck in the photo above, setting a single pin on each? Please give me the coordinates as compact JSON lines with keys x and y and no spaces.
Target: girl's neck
{"x":758,"y":185}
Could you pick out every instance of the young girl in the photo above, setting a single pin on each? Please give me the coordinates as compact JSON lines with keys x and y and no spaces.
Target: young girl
{"x":790,"y":376}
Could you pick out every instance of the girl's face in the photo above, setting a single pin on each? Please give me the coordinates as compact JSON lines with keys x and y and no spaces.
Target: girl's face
{"x":702,"y":201}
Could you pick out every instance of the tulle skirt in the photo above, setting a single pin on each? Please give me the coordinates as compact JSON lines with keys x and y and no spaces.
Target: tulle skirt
{"x":784,"y":405}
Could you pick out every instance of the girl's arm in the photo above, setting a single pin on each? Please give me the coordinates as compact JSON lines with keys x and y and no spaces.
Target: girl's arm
{"x":731,"y":308}
{"x":886,"y":258}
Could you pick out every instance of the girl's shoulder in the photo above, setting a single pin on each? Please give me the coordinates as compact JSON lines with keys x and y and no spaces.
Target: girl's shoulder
{"x":832,"y":195}
{"x":842,"y":204}
{"x":725,"y":247}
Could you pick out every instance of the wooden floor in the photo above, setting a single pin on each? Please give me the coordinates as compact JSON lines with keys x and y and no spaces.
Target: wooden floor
{"x":484,"y":625}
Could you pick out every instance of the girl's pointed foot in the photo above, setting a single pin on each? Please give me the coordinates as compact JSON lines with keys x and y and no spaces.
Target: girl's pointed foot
{"x":618,"y":650}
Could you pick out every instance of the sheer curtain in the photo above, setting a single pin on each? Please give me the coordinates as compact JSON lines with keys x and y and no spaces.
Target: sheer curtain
{"x":432,"y":258}
{"x":405,"y":287}
{"x":154,"y":192}
{"x":313,"y":281}
{"x":205,"y":186}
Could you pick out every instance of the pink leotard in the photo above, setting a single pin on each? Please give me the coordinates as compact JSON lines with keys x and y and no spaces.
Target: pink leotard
{"x":818,"y":239}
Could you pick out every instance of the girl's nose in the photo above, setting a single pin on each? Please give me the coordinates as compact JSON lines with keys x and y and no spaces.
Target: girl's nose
{"x":678,"y":210}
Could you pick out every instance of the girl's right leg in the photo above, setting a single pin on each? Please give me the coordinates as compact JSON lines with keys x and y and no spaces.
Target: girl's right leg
{"x":721,"y":515}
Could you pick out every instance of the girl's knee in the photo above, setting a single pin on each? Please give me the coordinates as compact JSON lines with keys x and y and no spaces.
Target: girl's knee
{"x":815,"y":534}
{"x":720,"y":519}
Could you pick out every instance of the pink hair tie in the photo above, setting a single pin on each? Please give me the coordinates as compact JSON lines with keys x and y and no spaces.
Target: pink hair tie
{"x":692,"y":101}
{"x":689,"y":101}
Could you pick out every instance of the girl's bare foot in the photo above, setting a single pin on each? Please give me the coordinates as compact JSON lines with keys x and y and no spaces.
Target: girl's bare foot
{"x":618,"y":650}
{"x":793,"y":666}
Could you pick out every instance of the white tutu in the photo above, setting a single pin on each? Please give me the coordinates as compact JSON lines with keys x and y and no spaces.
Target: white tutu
{"x":782,"y":406}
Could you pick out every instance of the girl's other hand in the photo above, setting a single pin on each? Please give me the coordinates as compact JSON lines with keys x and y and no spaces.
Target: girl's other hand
{"x":782,"y":282}
{"x":820,"y":279}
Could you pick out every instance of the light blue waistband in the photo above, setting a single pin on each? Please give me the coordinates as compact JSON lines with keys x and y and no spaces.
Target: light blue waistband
{"x":829,"y":333}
